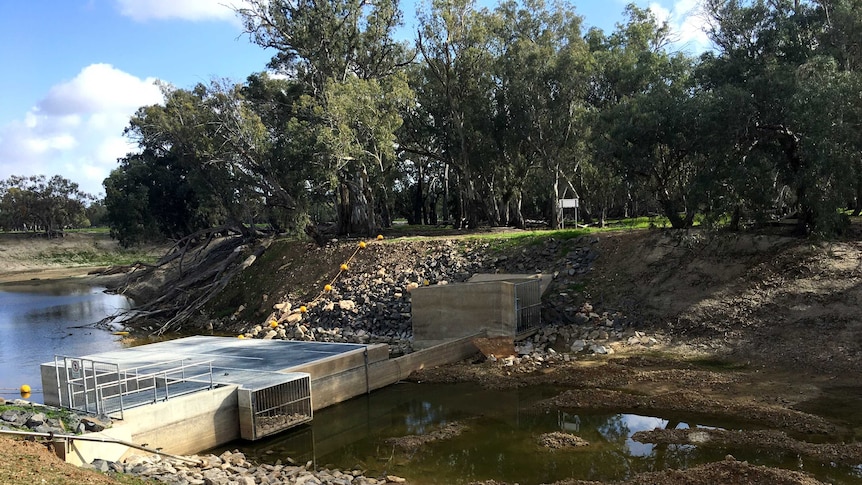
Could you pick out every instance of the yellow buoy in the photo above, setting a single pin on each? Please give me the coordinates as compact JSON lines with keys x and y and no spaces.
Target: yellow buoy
{"x":240,"y":336}
{"x":343,"y":266}
{"x":380,"y":237}
{"x":25,"y":389}
{"x":362,"y":244}
{"x":303,"y":309}
{"x":121,"y":333}
{"x":273,"y":324}
{"x":327,"y":288}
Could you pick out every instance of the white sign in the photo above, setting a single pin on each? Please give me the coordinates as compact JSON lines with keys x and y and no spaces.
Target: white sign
{"x":568,"y":203}
{"x":76,"y":369}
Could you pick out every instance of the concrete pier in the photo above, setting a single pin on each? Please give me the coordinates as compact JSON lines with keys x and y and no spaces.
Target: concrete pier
{"x":231,"y":402}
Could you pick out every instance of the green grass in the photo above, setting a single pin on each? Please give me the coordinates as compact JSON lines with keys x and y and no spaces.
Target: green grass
{"x":501,"y":241}
{"x":52,"y":413}
{"x":95,"y":258}
{"x":91,"y":230}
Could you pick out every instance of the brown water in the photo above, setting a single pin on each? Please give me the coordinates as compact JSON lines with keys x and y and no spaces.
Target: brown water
{"x":501,"y":441}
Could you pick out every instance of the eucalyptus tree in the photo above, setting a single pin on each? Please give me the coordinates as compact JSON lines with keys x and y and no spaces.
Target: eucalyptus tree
{"x":425,"y":175}
{"x":223,"y":147}
{"x":39,"y":203}
{"x":542,"y":70}
{"x":839,"y":41}
{"x":455,"y":94}
{"x":789,"y":66}
{"x":148,"y":198}
{"x":648,"y":123}
{"x":232,"y":156}
{"x":337,"y":49}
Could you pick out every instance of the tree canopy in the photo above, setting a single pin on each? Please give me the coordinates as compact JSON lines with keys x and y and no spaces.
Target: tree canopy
{"x":495,"y":113}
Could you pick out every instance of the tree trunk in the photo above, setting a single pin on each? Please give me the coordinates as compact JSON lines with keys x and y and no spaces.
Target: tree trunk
{"x":556,"y":211}
{"x":672,"y":213}
{"x":857,"y":208}
{"x":446,"y":216}
{"x":418,"y":198}
{"x":518,"y":215}
{"x":735,"y":219}
{"x":356,"y":206}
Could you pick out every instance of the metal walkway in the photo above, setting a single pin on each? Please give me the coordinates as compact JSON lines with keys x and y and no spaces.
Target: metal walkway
{"x":111,"y":382}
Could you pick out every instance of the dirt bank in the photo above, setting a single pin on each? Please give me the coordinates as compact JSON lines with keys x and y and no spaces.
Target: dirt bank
{"x":32,"y":257}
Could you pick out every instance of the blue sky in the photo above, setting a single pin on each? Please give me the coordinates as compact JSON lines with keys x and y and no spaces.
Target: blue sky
{"x":76,"y":70}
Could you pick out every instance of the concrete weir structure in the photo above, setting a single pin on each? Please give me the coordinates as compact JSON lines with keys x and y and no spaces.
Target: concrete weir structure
{"x":501,"y":305}
{"x":188,"y":395}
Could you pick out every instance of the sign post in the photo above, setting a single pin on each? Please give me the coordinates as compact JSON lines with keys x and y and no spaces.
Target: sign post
{"x":568,"y":204}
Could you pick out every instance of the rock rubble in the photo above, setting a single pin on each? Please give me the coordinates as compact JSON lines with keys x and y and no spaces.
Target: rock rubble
{"x":370,"y":302}
{"x":24,"y":415}
{"x":232,"y":468}
{"x":597,"y":334}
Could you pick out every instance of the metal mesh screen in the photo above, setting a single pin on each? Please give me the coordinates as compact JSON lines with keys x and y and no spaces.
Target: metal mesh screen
{"x":528,"y":305}
{"x":282,"y":406}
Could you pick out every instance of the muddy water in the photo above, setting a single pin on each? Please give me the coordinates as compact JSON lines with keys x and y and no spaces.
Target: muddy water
{"x":501,"y":441}
{"x":39,"y":320}
{"x":842,"y":404}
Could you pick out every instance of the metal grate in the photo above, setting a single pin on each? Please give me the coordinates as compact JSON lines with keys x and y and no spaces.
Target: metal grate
{"x":528,"y":305}
{"x":273,"y":409}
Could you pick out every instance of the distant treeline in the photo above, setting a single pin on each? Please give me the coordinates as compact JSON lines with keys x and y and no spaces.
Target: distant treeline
{"x":47,"y":205}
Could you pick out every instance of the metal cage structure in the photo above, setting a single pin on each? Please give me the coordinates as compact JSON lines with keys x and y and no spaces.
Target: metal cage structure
{"x":528,"y":305}
{"x":268,"y":410}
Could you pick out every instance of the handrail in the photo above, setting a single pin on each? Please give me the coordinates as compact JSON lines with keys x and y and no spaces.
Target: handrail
{"x":119,"y":387}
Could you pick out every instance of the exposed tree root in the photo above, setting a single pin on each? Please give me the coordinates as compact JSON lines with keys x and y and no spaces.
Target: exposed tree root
{"x":189,"y":275}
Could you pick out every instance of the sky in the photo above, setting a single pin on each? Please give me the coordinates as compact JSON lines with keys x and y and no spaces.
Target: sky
{"x":76,"y":70}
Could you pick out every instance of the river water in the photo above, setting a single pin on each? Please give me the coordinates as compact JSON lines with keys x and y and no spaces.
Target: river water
{"x":41,"y":319}
{"x":500,"y":441}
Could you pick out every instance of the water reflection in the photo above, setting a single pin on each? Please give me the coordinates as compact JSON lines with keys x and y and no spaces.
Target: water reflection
{"x":501,"y":442}
{"x":43,"y":319}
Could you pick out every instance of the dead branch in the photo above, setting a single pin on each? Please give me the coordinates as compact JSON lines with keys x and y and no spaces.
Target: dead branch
{"x":193,"y":271}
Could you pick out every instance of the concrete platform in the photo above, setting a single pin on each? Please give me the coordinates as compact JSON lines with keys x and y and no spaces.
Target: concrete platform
{"x":234,"y":361}
{"x":245,"y":372}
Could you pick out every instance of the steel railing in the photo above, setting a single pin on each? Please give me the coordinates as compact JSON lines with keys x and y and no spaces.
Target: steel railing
{"x":106,"y":388}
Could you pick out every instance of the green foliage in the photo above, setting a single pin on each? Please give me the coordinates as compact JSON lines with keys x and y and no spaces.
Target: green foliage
{"x":95,"y":258}
{"x":786,"y":84}
{"x":344,"y":55}
{"x":503,"y":111}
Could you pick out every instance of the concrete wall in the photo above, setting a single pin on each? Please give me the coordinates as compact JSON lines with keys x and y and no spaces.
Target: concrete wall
{"x":341,"y":377}
{"x":445,"y":312}
{"x":188,"y":424}
{"x":393,"y":370}
{"x":181,"y":426}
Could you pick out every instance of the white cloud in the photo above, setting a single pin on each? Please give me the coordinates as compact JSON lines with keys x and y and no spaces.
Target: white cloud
{"x":76,"y":129}
{"x":688,"y":23}
{"x":195,"y":10}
